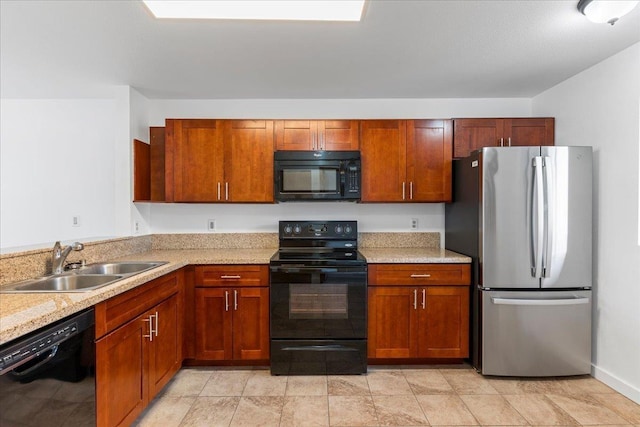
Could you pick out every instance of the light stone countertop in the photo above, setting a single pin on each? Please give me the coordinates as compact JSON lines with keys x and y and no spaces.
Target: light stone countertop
{"x":25,"y":312}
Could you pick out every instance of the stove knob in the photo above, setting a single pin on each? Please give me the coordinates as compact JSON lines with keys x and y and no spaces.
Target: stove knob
{"x":348,"y":229}
{"x":297,"y":229}
{"x":338,"y":229}
{"x":287,"y":229}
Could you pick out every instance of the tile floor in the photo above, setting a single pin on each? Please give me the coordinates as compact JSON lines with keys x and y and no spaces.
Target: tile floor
{"x":385,"y":396}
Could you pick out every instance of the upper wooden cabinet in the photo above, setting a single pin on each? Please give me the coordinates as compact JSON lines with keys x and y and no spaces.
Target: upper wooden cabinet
{"x":219,"y":160}
{"x":315,"y":135}
{"x":473,"y":134}
{"x":406,"y":160}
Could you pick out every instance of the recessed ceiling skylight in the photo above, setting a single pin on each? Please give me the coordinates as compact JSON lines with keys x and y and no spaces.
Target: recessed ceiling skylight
{"x":300,"y":10}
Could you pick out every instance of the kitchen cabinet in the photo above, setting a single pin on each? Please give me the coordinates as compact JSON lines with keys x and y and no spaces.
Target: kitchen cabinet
{"x":472,"y":134}
{"x":138,"y":348}
{"x":219,"y":160}
{"x":232,"y":313}
{"x":418,"y":311}
{"x":316,"y":135}
{"x":406,"y":160}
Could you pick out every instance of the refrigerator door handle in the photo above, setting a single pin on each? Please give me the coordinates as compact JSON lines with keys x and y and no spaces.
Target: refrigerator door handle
{"x":548,"y":212}
{"x":520,"y":301}
{"x":537,"y":224}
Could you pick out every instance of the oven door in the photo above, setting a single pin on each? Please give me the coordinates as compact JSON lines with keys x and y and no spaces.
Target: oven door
{"x":318,"y":302}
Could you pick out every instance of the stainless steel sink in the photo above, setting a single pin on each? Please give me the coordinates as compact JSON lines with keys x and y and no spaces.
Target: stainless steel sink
{"x":64,"y":283}
{"x":126,"y":268}
{"x":87,"y":278}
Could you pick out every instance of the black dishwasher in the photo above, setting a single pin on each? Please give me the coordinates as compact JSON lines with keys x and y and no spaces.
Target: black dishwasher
{"x":48,"y":376}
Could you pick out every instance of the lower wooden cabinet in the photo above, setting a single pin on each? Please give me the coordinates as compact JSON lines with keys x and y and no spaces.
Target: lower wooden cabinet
{"x":418,"y":311}
{"x":232,"y":313}
{"x":136,"y":356}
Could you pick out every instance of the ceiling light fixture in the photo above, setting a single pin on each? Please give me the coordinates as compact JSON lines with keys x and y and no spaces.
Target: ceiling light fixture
{"x":301,"y":10}
{"x":608,"y":11}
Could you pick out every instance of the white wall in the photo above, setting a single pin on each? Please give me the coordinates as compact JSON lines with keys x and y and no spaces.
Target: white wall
{"x":600,"y":107}
{"x":181,"y":218}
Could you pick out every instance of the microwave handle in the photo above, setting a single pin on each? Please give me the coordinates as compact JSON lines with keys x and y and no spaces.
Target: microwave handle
{"x":343,"y":179}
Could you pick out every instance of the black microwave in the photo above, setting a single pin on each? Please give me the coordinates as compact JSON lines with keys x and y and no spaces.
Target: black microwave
{"x":301,"y":176}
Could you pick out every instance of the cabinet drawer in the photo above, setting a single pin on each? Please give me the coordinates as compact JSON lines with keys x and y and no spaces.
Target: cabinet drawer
{"x":232,"y":275}
{"x":419,"y":274}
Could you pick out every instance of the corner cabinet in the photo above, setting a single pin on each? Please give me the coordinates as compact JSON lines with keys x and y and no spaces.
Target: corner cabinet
{"x":317,"y":135}
{"x":232,"y":313}
{"x":406,"y":160}
{"x":472,"y":134}
{"x":219,"y":160}
{"x":138,"y":348}
{"x":418,"y":311}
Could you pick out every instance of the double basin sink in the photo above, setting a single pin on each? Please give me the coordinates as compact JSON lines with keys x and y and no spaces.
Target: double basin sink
{"x":87,"y":278}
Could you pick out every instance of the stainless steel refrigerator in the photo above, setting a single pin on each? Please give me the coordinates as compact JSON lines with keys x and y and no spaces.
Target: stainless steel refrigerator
{"x":524,"y":215}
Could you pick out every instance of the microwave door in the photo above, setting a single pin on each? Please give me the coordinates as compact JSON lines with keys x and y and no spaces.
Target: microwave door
{"x":315,"y":182}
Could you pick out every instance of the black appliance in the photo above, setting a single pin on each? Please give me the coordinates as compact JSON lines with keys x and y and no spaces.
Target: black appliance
{"x":47,"y":377}
{"x":317,"y":175}
{"x":318,"y":300}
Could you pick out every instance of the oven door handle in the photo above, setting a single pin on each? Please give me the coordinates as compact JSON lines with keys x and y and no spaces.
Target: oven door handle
{"x":305,"y":270}
{"x":328,"y":347}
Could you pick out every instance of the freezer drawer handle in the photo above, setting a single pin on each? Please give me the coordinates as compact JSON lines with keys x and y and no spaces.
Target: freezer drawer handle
{"x":513,"y":301}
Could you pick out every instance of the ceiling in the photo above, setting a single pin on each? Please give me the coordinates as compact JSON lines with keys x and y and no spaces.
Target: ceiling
{"x":400,"y":49}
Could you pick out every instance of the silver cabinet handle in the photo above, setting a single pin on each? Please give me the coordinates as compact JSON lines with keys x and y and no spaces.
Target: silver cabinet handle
{"x":226,"y":300}
{"x":419,"y":276}
{"x":218,"y":190}
{"x":227,"y":276}
{"x":150,"y":320}
{"x":424,"y":298}
{"x":226,"y":191}
{"x":415,"y":299}
{"x":235,"y":299}
{"x":157,"y":324}
{"x":402,"y":190}
{"x":501,"y":142}
{"x":411,"y":190}
{"x":509,"y":139}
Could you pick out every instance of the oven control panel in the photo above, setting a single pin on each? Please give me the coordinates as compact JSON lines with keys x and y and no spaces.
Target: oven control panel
{"x":318,"y":229}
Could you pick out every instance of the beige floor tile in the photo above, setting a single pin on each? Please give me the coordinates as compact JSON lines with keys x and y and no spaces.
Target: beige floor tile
{"x":628,"y":409}
{"x":188,"y":382}
{"x":447,"y":410}
{"x":584,"y":384}
{"x":468,"y":382}
{"x":492,"y":410}
{"x":258,"y":411}
{"x":352,"y":411}
{"x":348,"y":385}
{"x":209,"y":411}
{"x":305,"y":411}
{"x":262,"y":383}
{"x":226,"y":383}
{"x":166,"y":411}
{"x":307,"y":386}
{"x":537,"y":409}
{"x":399,"y":411}
{"x":387,"y":383}
{"x":586,"y":409}
{"x":427,"y":382}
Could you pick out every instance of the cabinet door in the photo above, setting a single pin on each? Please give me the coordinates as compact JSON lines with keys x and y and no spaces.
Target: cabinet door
{"x":251,"y":323}
{"x":473,"y":134}
{"x":194,"y":160}
{"x":121,"y":363}
{"x":429,"y":151}
{"x":392,"y":322}
{"x":166,"y":347}
{"x":248,"y":161}
{"x":299,"y":135}
{"x":444,"y":322}
{"x":529,"y":131}
{"x":383,"y":152}
{"x":213,"y":324}
{"x":338,"y":135}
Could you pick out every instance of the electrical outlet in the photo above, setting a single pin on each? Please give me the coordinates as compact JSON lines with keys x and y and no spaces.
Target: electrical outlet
{"x":414,"y":223}
{"x":75,"y":221}
{"x":136,"y":227}
{"x":211,"y":224}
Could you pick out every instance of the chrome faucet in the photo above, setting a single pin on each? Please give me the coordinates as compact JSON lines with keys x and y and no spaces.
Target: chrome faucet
{"x":59,"y":255}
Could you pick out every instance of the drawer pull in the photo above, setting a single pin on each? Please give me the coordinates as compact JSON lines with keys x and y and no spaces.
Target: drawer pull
{"x":224,"y":276}
{"x":420,"y":276}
